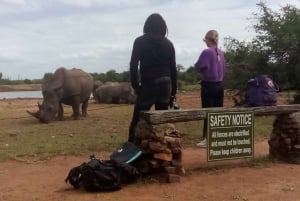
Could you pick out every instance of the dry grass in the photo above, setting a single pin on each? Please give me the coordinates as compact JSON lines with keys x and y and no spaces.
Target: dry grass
{"x":20,"y":87}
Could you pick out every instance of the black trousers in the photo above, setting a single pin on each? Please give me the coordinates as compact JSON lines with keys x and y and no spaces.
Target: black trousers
{"x":212,"y":95}
{"x":157,"y":95}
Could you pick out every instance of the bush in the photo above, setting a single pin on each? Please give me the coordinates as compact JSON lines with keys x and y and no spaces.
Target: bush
{"x":27,"y":81}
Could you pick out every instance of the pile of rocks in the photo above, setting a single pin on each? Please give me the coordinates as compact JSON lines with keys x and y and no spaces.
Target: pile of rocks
{"x":284,"y":143}
{"x":161,"y":145}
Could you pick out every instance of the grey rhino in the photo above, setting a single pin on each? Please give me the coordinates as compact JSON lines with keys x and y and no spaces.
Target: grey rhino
{"x":67,"y":86}
{"x":97,"y":83}
{"x":115,"y":92}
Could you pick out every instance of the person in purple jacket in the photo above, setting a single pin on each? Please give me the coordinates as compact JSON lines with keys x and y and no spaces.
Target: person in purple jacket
{"x":211,"y":65}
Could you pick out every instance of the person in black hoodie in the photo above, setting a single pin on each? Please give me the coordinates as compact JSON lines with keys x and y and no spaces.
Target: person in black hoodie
{"x":152,"y":69}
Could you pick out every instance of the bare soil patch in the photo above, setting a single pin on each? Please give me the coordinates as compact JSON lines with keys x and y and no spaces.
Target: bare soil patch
{"x":237,"y":180}
{"x":229,"y":180}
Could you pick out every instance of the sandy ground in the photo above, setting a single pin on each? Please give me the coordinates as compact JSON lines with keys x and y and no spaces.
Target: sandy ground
{"x":227,"y":180}
{"x":234,"y":180}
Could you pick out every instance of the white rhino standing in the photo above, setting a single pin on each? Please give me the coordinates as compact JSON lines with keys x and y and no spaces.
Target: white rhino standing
{"x":67,"y":86}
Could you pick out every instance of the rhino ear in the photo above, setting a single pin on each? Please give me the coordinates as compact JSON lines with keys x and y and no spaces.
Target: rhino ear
{"x":57,"y":79}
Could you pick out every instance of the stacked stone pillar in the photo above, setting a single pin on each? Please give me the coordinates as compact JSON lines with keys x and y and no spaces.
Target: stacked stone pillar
{"x":161,"y":145}
{"x":284,"y":143}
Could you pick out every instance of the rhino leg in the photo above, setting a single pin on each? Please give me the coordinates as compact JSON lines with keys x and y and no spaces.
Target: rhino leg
{"x":76,"y":111}
{"x":116,"y":100}
{"x":60,"y":114}
{"x":84,"y":108}
{"x":96,"y":98}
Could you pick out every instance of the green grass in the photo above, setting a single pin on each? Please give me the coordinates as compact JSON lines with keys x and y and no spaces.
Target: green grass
{"x":106,"y":127}
{"x":191,"y":87}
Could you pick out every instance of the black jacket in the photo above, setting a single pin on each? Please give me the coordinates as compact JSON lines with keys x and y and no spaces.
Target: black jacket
{"x":155,"y":56}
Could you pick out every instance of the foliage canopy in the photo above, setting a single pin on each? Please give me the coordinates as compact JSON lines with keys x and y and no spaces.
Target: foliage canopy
{"x":275,"y":50}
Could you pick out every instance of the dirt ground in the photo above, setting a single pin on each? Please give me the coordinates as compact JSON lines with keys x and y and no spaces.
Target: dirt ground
{"x":235,"y":180}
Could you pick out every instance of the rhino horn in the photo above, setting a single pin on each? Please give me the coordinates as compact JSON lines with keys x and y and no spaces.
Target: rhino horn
{"x":35,"y":114}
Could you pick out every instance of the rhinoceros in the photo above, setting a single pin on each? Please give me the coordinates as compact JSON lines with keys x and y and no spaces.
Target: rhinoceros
{"x":67,"y":86}
{"x":115,"y":92}
{"x":97,"y":83}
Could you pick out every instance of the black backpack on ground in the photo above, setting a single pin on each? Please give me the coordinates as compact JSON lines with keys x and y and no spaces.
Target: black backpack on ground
{"x":261,"y":91}
{"x":126,"y":153}
{"x":97,"y":175}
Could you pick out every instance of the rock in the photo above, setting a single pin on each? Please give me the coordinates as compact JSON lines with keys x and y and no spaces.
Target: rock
{"x":170,"y":170}
{"x":297,"y":147}
{"x":156,"y":146}
{"x":163,"y":156}
{"x":173,"y":178}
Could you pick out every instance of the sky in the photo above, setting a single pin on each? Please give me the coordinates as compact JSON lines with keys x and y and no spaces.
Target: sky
{"x":39,"y":36}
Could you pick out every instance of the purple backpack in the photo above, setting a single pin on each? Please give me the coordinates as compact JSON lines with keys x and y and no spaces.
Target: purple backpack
{"x":261,"y":91}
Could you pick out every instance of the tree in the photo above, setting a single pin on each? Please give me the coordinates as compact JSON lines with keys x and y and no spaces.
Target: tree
{"x":27,"y":81}
{"x":278,"y":32}
{"x":191,"y":76}
{"x":274,"y":50}
{"x":113,"y":76}
{"x":179,"y":68}
{"x":47,"y":77}
{"x":245,"y":60}
{"x":125,"y":76}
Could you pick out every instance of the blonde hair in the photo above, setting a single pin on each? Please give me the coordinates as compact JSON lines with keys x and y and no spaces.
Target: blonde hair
{"x":212,"y":36}
{"x":211,"y":39}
